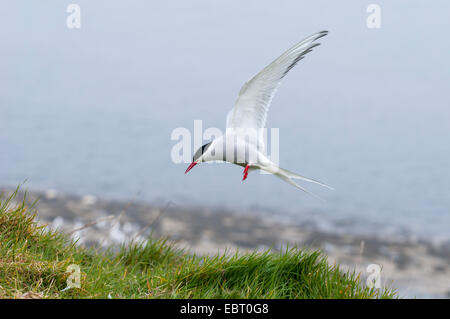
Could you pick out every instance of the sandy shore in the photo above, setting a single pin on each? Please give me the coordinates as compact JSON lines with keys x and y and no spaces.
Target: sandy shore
{"x":416,"y":268}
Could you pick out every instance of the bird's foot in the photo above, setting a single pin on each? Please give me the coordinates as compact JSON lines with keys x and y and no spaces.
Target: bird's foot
{"x":246,"y":172}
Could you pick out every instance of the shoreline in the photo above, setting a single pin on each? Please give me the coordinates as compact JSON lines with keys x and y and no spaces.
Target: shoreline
{"x":416,"y":267}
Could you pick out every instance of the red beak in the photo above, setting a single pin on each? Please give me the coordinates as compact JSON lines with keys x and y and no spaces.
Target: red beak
{"x":190,"y":167}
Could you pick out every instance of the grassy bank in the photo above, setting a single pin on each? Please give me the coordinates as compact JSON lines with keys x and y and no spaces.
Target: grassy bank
{"x":34,"y":262}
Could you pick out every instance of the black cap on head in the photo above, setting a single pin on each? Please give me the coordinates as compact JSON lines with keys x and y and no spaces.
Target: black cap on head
{"x":200,"y":152}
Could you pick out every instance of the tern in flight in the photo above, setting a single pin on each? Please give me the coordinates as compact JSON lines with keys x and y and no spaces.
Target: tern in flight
{"x":243,"y":142}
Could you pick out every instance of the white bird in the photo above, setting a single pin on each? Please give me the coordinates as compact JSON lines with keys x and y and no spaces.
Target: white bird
{"x":243,"y":143}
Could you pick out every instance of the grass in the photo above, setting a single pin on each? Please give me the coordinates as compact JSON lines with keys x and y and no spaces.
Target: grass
{"x":34,"y":261}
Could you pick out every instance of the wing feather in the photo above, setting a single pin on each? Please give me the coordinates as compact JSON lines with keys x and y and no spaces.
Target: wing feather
{"x":255,"y":96}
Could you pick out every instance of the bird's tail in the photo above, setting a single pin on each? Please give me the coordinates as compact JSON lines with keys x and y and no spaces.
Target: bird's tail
{"x":288,"y":177}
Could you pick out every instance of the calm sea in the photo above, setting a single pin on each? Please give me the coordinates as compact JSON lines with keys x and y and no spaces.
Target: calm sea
{"x":91,"y":110}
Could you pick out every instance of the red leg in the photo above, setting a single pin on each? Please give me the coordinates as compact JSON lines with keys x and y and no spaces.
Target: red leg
{"x":246,"y":172}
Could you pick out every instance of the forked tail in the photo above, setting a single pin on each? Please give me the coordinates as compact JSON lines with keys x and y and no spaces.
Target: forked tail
{"x":288,"y":177}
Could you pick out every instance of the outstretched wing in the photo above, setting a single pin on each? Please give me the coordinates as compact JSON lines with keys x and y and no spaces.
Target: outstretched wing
{"x":252,"y":104}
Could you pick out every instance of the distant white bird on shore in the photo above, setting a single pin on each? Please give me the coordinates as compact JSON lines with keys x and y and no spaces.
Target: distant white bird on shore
{"x":243,"y":142}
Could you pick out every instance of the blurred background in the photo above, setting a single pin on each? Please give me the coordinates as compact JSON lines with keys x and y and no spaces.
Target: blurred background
{"x":91,"y":110}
